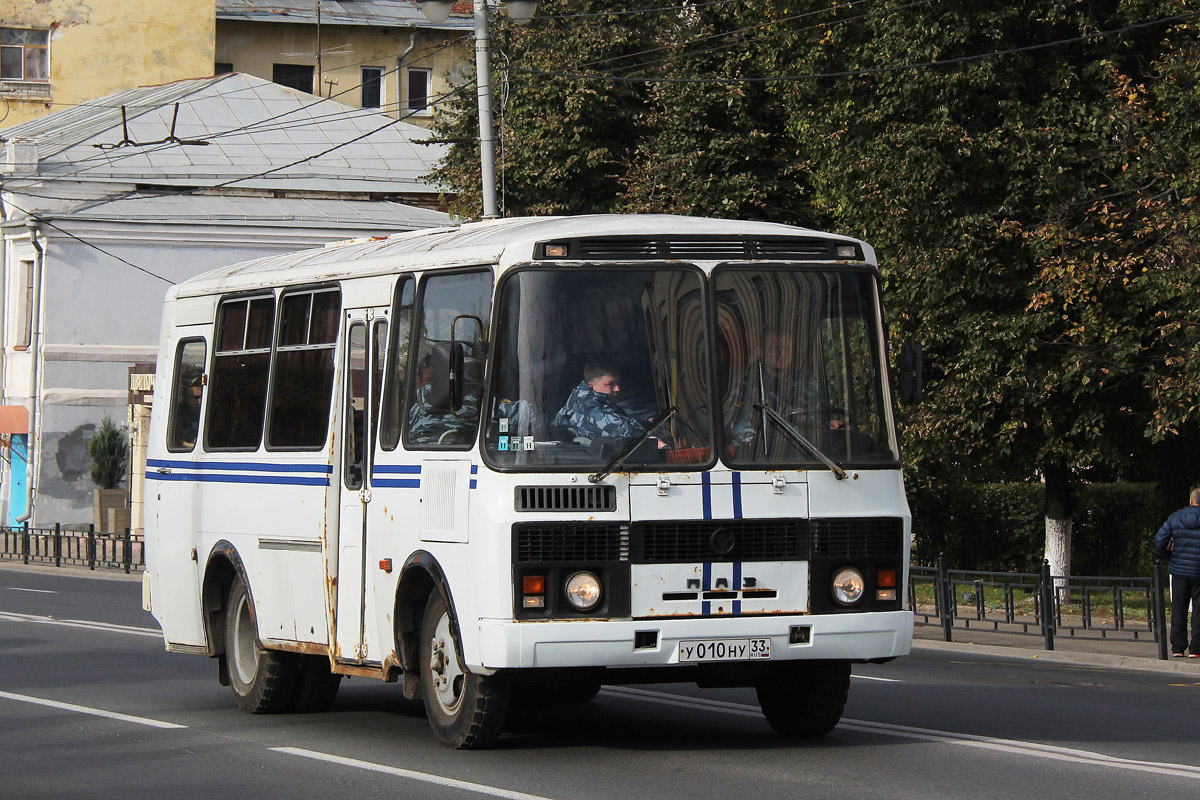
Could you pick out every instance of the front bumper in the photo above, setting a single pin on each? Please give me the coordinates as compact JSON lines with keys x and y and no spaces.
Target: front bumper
{"x":504,"y":644}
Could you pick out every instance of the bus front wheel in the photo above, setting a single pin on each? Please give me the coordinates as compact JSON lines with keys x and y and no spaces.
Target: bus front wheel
{"x":805,"y":699}
{"x":262,"y":680}
{"x":465,"y":710}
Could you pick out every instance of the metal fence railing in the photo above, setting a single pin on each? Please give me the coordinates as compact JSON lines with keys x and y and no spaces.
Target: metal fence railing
{"x":56,"y":547}
{"x":1081,"y":606}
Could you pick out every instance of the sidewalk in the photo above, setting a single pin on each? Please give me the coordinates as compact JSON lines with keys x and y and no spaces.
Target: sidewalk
{"x":1113,"y":653}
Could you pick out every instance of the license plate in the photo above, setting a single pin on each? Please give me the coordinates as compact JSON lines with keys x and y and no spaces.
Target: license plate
{"x":724,"y":649}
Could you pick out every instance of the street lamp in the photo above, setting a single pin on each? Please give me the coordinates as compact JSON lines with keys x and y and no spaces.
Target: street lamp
{"x":520,"y":11}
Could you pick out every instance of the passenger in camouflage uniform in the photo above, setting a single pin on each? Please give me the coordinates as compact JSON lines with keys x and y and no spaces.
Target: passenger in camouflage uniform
{"x":426,"y":426}
{"x":592,"y":410}
{"x":795,"y":396}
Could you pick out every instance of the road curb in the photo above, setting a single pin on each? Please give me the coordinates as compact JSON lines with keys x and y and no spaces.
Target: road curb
{"x":73,"y":571}
{"x":1183,"y":667}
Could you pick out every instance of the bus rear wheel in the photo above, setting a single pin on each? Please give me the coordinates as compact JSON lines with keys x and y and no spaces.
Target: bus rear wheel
{"x":805,"y":699}
{"x":263,"y":681}
{"x":316,"y":686}
{"x":466,"y":711}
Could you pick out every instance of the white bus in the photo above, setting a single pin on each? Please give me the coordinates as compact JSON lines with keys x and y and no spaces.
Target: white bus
{"x":394,"y":458}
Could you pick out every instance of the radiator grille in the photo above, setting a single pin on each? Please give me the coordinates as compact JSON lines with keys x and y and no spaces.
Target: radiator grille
{"x":566,"y":498}
{"x":856,"y":538}
{"x":692,"y":541}
{"x":538,"y":543}
{"x":675,"y":541}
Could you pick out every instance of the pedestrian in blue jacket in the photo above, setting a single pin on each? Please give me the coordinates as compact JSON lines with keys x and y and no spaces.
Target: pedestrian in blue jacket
{"x":1179,"y":541}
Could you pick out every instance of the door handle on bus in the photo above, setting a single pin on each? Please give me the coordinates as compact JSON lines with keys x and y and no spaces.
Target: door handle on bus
{"x":164,"y":470}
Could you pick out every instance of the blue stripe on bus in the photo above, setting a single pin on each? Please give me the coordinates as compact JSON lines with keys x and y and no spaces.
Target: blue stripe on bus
{"x":737,"y":495}
{"x":245,"y":466}
{"x":253,"y":479}
{"x":397,"y":483}
{"x":737,"y":585}
{"x":396,"y":469}
{"x":706,"y":494}
{"x":706,"y":606}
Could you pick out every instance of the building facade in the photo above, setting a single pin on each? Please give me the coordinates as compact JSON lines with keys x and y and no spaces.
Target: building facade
{"x":380,"y":54}
{"x":58,"y":53}
{"x":105,"y":205}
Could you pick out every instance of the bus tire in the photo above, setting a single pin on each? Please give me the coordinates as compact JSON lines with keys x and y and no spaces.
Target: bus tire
{"x":807,"y":699}
{"x":316,"y":686}
{"x":465,"y":711}
{"x":263,"y":681}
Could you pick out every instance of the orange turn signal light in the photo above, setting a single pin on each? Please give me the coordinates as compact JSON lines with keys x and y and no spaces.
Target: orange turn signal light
{"x":533,"y":584}
{"x":885,"y":577}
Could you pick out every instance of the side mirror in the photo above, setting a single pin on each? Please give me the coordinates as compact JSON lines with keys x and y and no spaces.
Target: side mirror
{"x":446,"y":378}
{"x":912,"y":373}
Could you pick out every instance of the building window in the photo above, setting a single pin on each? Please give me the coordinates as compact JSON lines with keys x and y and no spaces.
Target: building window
{"x":24,"y":54}
{"x":372,"y":86}
{"x":295,"y":76}
{"x":24,"y":316}
{"x":418,"y":91}
{"x":222,"y":68}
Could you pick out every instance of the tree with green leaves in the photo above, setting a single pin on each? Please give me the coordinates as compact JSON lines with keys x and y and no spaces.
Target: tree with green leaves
{"x":996,"y":186}
{"x":1027,"y":172}
{"x":107,"y":448}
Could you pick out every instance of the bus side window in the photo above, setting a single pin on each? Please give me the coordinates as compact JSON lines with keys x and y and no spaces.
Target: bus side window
{"x":187,"y":394}
{"x":302,"y":377}
{"x":397,"y":365}
{"x":458,"y":307}
{"x":241,"y":363}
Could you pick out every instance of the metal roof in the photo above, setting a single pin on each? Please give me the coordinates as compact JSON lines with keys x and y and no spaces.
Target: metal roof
{"x":259,"y":135}
{"x":501,"y":241}
{"x":353,"y":215}
{"x":382,"y":13}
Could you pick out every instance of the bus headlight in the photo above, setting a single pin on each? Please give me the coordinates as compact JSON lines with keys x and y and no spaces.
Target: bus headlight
{"x":848,"y":586}
{"x":583,"y":591}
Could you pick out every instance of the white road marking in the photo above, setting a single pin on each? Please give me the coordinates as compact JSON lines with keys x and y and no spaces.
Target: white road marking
{"x":81,"y":623}
{"x":35,"y":591}
{"x":1012,"y":746}
{"x":95,"y":712}
{"x":424,"y":777}
{"x":875,"y":678}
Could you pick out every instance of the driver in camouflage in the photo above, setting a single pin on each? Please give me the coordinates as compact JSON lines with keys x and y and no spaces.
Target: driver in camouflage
{"x":592,"y":410}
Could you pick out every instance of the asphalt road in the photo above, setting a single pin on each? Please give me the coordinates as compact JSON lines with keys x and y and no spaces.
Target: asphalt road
{"x":91,"y":706}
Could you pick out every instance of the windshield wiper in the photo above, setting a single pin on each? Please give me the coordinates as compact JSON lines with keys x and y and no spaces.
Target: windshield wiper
{"x":633,"y":444}
{"x":798,"y":437}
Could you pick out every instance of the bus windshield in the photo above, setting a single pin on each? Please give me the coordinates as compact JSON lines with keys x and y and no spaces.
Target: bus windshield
{"x":587,"y":359}
{"x":801,"y":369}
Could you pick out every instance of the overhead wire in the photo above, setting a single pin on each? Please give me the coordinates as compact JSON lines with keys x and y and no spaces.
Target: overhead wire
{"x":866,"y":71}
{"x":101,"y":160}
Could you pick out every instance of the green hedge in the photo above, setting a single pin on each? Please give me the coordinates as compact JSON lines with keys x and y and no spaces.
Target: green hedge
{"x":999,"y":526}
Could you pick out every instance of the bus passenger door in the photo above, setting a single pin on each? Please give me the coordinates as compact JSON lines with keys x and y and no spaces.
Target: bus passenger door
{"x":365,"y":335}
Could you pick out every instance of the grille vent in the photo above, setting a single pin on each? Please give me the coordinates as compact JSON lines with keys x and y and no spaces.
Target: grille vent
{"x":708,"y":248}
{"x":856,"y":538}
{"x":685,"y":541}
{"x":537,"y":543}
{"x":566,"y":498}
{"x":672,"y":541}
